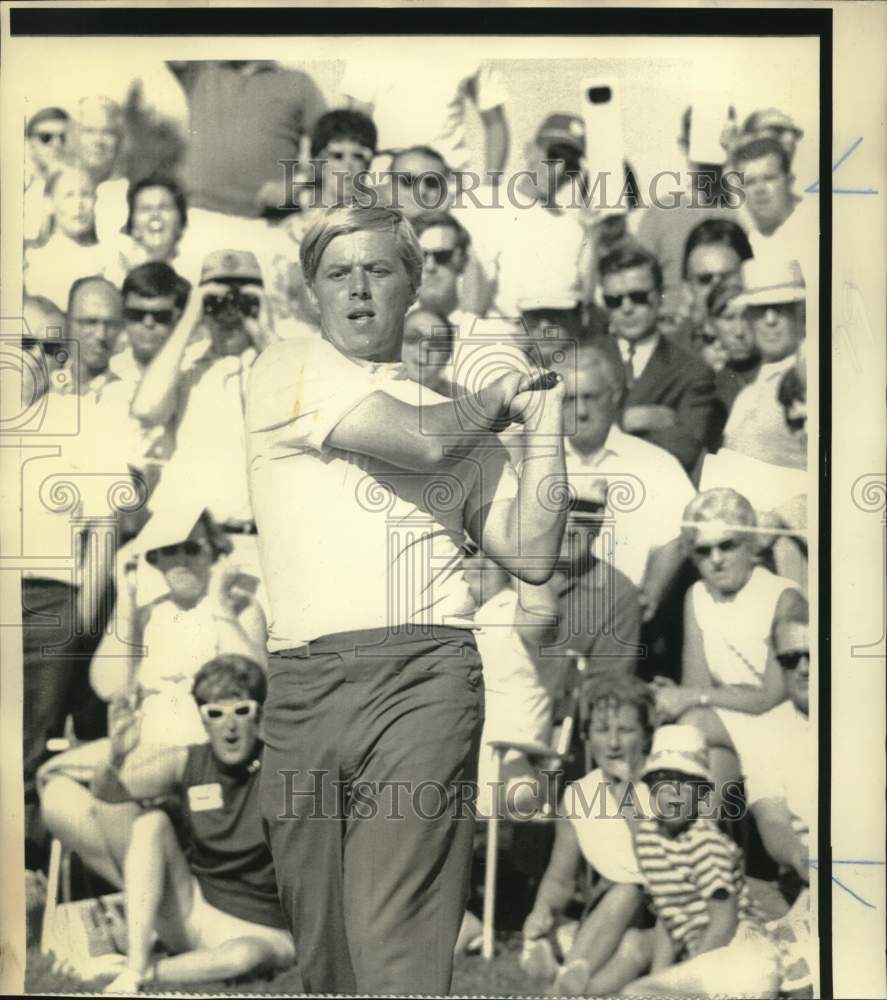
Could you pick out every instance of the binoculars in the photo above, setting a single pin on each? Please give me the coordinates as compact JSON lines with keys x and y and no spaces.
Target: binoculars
{"x":243,"y":302}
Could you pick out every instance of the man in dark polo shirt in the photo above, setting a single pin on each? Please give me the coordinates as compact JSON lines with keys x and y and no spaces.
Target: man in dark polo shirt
{"x":213,"y":900}
{"x":365,"y":486}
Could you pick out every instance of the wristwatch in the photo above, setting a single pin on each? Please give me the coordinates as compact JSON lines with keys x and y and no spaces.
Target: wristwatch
{"x":704,"y":700}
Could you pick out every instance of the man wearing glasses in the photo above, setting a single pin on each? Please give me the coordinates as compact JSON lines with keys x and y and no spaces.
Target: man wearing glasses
{"x":46,"y":135}
{"x":211,"y":899}
{"x":670,"y":398}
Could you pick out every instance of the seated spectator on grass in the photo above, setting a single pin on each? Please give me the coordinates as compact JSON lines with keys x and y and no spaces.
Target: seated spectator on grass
{"x":709,"y":937}
{"x":211,"y":900}
{"x":729,"y":675}
{"x":46,"y":136}
{"x":71,"y":250}
{"x":670,"y":399}
{"x":156,"y":221}
{"x":773,"y":302}
{"x":593,"y":826}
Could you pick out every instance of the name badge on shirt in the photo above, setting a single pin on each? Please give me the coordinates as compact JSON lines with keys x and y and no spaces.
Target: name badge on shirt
{"x":202,"y":798}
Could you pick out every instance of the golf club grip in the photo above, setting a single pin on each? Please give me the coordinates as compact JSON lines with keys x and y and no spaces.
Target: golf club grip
{"x":547,"y":380}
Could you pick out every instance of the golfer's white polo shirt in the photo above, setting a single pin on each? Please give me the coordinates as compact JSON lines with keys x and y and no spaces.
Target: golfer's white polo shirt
{"x":347,"y":541}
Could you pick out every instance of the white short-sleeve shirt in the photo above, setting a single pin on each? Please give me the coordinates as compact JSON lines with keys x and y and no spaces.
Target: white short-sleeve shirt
{"x":348,"y":541}
{"x":646,"y":513}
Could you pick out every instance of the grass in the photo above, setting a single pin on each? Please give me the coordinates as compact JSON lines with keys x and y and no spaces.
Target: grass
{"x":472,"y":977}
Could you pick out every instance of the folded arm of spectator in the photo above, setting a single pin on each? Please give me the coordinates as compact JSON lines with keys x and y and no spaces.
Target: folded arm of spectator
{"x":695,"y":421}
{"x":663,"y":564}
{"x":146,"y":773}
{"x":558,"y":883}
{"x":778,"y":835}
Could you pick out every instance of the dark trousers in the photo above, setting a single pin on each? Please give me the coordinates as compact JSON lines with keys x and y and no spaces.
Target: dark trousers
{"x":368,"y":785}
{"x":55,"y":684}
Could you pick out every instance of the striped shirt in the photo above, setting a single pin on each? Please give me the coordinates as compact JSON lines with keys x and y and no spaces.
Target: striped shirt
{"x":683,"y":873}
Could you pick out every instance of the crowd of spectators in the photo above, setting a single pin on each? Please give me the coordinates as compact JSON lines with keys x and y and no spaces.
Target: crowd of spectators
{"x":677,"y":618}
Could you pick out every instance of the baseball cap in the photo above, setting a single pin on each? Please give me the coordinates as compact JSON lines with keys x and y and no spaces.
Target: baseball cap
{"x":222,"y":264}
{"x":757,"y":121}
{"x":563,"y":129}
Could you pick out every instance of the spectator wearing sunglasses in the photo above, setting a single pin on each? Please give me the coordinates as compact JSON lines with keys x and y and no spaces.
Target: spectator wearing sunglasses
{"x":713,"y":255}
{"x":200,"y":389}
{"x":153,"y":299}
{"x":729,"y":674}
{"x":709,"y":937}
{"x":773,"y":304}
{"x":206,"y":891}
{"x":46,"y":135}
{"x":670,"y":399}
{"x":71,"y":250}
{"x":182,"y":599}
{"x":780,"y":784}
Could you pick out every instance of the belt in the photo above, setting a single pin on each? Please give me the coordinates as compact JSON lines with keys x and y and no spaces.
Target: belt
{"x":239,"y":527}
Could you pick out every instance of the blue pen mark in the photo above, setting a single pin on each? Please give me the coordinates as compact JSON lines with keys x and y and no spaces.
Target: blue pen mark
{"x":815,"y":864}
{"x":814,"y":187}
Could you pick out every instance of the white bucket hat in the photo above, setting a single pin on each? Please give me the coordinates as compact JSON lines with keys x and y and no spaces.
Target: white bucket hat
{"x":770,"y":283}
{"x":679,"y":748}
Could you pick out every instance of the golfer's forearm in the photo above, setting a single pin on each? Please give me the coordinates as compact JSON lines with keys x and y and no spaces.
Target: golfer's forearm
{"x":538,"y":515}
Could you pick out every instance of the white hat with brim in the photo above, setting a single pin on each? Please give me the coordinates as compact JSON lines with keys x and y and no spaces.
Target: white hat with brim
{"x":679,"y":748}
{"x":766,"y":283}
{"x":167,"y":526}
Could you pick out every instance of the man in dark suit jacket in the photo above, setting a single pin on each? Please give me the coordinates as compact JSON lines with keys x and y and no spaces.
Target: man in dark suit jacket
{"x":671,"y":394}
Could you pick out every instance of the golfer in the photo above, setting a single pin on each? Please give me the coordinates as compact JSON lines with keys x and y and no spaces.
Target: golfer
{"x":365,"y":486}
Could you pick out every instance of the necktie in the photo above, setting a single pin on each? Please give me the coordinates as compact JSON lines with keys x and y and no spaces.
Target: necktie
{"x":629,"y":367}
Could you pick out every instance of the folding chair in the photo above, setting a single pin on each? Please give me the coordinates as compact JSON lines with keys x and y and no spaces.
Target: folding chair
{"x":553,"y":757}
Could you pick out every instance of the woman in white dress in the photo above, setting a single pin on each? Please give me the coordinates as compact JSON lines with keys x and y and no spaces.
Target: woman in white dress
{"x":729,"y":675}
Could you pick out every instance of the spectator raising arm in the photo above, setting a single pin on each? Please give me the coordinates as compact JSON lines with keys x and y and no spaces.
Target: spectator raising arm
{"x":496,"y":139}
{"x":157,"y":396}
